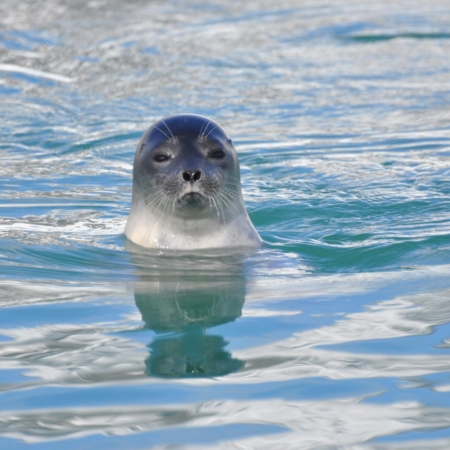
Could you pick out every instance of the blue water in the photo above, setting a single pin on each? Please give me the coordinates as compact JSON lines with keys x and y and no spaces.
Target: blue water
{"x":335,"y":335}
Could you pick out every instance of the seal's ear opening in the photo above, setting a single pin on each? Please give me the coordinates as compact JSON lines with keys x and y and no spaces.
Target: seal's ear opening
{"x":140,"y":146}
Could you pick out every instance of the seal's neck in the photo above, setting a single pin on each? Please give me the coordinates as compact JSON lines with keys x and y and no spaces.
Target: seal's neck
{"x":147,"y":228}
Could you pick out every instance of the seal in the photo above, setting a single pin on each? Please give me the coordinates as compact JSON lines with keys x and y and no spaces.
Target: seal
{"x":187,"y":190}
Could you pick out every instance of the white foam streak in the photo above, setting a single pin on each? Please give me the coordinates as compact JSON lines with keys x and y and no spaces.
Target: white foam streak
{"x":254,"y":312}
{"x":17,"y":293}
{"x":35,"y":73}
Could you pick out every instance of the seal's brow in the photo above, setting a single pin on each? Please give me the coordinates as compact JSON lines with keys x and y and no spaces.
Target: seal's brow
{"x":160,"y":145}
{"x":213,"y":142}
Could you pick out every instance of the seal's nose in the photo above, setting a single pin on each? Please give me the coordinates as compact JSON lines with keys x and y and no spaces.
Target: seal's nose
{"x":191,"y":175}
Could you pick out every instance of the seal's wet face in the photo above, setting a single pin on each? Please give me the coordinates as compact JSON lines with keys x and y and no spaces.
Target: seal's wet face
{"x":187,"y":164}
{"x":186,"y":188}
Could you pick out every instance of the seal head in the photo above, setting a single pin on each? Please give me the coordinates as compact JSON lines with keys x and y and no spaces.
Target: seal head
{"x":186,"y":188}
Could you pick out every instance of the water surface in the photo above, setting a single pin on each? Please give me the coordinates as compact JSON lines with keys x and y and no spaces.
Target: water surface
{"x":335,"y":334}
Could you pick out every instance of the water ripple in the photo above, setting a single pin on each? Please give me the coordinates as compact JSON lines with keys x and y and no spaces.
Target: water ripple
{"x":334,"y":334}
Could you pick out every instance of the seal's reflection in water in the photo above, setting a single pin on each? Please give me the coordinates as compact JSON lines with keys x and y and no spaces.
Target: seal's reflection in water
{"x":182,"y":315}
{"x":181,"y":298}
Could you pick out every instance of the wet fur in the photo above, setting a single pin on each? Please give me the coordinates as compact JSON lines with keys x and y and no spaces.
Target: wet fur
{"x":213,"y":215}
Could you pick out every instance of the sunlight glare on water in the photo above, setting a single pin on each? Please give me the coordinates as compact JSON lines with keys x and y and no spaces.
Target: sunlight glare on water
{"x":335,"y":334}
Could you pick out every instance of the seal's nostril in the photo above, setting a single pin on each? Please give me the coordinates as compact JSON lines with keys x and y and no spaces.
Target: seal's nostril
{"x":191,"y":175}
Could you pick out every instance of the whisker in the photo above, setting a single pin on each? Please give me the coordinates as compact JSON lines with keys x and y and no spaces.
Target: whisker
{"x":216,"y":206}
{"x":210,"y":131}
{"x":204,"y":128}
{"x":165,"y":124}
{"x":161,"y":131}
{"x":230,"y":203}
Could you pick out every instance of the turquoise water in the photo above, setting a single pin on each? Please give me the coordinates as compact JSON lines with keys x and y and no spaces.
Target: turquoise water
{"x":334,"y":335}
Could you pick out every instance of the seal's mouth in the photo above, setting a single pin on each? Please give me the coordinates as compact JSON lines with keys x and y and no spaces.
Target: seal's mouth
{"x":192,"y":198}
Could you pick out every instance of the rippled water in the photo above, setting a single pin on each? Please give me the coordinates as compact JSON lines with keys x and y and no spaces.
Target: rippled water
{"x":335,"y":334}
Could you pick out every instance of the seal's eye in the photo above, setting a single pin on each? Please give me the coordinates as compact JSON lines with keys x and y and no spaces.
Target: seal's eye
{"x":217,"y":154}
{"x":161,"y":158}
